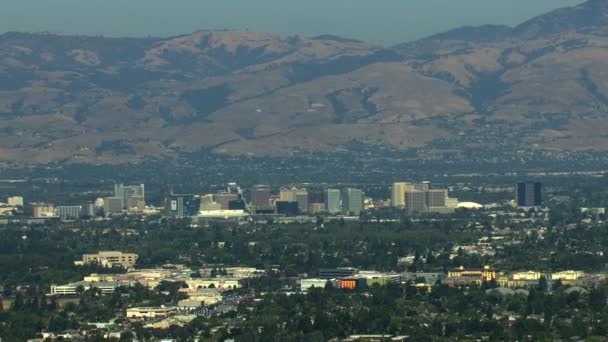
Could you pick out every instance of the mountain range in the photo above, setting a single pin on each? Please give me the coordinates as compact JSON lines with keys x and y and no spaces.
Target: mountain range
{"x":542,"y":85}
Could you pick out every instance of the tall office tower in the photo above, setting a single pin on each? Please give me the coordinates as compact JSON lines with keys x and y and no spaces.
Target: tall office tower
{"x":529,"y":194}
{"x":302,"y":199}
{"x":112,"y":205}
{"x":332,"y":201}
{"x":352,"y":201}
{"x":416,"y":202}
{"x":398,"y":193}
{"x":260,"y":196}
{"x":288,"y":194}
{"x":183,"y":205}
{"x":89,"y":210}
{"x":437,"y":198}
{"x":316,"y":196}
{"x":130,"y":194}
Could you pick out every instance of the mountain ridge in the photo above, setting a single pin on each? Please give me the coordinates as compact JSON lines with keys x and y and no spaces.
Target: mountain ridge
{"x":79,"y":99}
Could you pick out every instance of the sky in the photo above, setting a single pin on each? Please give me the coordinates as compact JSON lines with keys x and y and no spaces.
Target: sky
{"x":381,"y":22}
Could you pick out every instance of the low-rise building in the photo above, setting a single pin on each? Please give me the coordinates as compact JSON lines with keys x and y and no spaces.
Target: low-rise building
{"x":470,"y":277}
{"x":568,"y":277}
{"x":150,"y":312}
{"x":307,"y":284}
{"x":73,"y":289}
{"x":213,"y":283}
{"x":15,"y":201}
{"x":519,"y":279}
{"x":110,"y":259}
{"x":69,"y":212}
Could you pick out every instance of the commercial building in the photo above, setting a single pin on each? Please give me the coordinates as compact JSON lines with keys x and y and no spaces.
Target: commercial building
{"x":15,"y":201}
{"x":398,"y":193}
{"x":307,"y":284}
{"x":316,"y":208}
{"x":461,"y":276}
{"x":213,"y":283}
{"x":332,"y":201}
{"x":111,"y":258}
{"x":89,"y":210}
{"x":234,"y":215}
{"x":132,"y":196}
{"x":185,"y":205}
{"x":420,"y":198}
{"x":287,"y":208}
{"x":73,"y":289}
{"x":260,"y":196}
{"x":337,"y":273}
{"x":288,"y":194}
{"x":237,"y":205}
{"x":302,"y":199}
{"x":416,"y":202}
{"x":568,"y":277}
{"x":41,"y":210}
{"x":150,"y":312}
{"x":71,"y":212}
{"x":529,"y":194}
{"x":225,"y":198}
{"x":112,"y":205}
{"x":348,"y":284}
{"x":207,"y":203}
{"x":519,"y":279}
{"x":352,"y":201}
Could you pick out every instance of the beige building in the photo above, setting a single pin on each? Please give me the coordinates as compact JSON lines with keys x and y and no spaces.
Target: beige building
{"x":526,"y":275}
{"x":43,"y":210}
{"x":519,"y":279}
{"x":288,"y":195}
{"x":420,"y":198}
{"x":568,"y":277}
{"x":467,"y":277}
{"x":15,"y":201}
{"x":398,"y":193}
{"x":150,"y":312}
{"x":217,"y":283}
{"x":111,"y":258}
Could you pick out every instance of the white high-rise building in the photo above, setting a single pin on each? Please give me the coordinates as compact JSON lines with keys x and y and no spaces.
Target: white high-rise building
{"x":352,"y":201}
{"x":302,"y":199}
{"x":332,"y":201}
{"x":131,"y":195}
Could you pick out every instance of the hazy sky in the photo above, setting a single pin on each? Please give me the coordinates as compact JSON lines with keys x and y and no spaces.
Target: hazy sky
{"x":378,"y":21}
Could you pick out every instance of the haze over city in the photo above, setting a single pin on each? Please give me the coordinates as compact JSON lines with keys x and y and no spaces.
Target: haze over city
{"x":383,"y":22}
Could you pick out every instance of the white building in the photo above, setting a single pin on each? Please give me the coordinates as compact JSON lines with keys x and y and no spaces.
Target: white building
{"x":106,"y":287}
{"x":307,"y":284}
{"x":150,"y":312}
{"x":110,"y":259}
